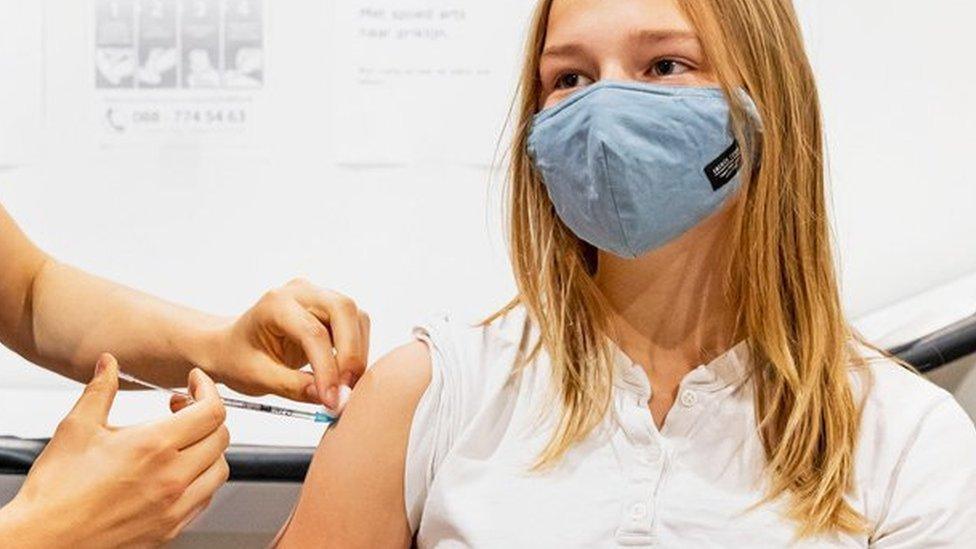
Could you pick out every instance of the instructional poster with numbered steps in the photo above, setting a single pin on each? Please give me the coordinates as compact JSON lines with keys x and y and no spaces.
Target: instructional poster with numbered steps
{"x":165,"y":68}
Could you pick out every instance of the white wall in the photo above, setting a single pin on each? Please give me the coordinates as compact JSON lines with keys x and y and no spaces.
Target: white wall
{"x":214,"y":221}
{"x":897,"y":86}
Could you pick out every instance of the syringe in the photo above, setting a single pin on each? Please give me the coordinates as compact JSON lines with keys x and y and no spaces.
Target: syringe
{"x":318,"y":417}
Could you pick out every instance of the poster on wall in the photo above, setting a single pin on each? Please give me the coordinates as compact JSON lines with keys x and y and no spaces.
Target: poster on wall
{"x":426,"y":81}
{"x":179,"y":71}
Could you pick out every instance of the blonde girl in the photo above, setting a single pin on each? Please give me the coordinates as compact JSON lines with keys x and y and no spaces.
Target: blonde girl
{"x":676,"y":369}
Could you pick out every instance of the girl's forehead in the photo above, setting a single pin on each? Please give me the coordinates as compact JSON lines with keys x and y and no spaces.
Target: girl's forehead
{"x":596,"y":17}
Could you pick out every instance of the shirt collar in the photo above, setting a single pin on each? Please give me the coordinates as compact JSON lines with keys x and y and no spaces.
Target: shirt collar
{"x":730,"y":368}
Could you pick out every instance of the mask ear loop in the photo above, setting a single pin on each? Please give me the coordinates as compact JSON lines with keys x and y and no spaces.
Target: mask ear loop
{"x":752,"y":133}
{"x":745,"y":101}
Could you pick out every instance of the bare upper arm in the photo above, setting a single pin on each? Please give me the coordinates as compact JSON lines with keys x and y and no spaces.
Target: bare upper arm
{"x":353,"y":494}
{"x":20,"y":261}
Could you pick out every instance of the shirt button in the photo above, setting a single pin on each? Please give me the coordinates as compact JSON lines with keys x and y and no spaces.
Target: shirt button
{"x":639,"y":511}
{"x":689,"y":398}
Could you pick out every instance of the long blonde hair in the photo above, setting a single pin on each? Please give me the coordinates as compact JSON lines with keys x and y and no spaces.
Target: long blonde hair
{"x":781,"y":277}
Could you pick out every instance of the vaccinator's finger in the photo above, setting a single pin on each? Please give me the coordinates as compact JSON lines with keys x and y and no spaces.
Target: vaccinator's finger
{"x":96,"y":402}
{"x":198,"y":495}
{"x":178,"y":402}
{"x":300,"y":325}
{"x":194,"y":422}
{"x":285,"y":382}
{"x":197,"y":458}
{"x":342,"y":316}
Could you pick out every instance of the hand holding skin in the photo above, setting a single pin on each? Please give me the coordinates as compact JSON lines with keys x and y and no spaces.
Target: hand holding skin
{"x":101,"y":486}
{"x":289,"y":327}
{"x":74,"y":317}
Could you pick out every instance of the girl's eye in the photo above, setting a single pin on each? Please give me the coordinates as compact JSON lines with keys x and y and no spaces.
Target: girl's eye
{"x":669,"y":67}
{"x":572,"y":80}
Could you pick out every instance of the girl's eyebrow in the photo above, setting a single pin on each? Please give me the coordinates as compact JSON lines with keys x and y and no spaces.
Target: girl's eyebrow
{"x":563,"y":50}
{"x":643,"y":36}
{"x":661,"y":35}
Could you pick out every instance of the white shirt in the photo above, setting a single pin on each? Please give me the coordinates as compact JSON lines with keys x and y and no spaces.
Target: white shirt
{"x":478,"y":429}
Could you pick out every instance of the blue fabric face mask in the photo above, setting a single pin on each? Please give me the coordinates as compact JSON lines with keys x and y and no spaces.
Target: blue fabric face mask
{"x":632,"y":166}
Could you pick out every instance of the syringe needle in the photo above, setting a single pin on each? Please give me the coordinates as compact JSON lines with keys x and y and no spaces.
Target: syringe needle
{"x":318,"y":417}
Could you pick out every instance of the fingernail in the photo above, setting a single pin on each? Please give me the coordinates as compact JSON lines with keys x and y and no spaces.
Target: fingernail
{"x":343,"y":397}
{"x":100,"y":365}
{"x":332,"y":397}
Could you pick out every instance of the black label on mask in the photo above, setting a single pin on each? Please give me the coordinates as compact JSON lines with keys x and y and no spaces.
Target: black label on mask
{"x":724,"y":168}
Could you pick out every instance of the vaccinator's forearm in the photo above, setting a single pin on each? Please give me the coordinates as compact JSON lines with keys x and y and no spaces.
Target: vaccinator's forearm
{"x":62,"y":318}
{"x":77,"y":316}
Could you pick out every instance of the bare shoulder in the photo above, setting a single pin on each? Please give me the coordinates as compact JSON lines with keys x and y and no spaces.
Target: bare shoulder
{"x":353,"y":494}
{"x":403,"y":374}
